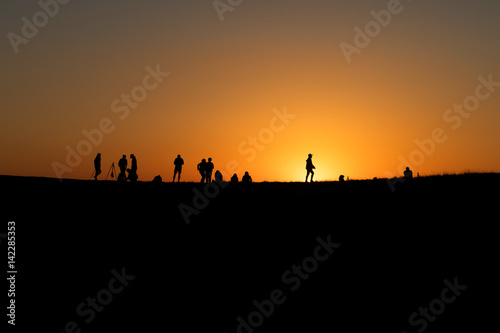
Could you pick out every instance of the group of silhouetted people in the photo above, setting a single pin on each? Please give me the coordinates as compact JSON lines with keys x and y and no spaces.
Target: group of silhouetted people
{"x":245,"y":179}
{"x":122,"y":164}
{"x":205,"y":168}
{"x":132,"y":172}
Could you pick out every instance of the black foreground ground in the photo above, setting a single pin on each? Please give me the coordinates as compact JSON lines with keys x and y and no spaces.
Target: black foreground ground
{"x":334,"y":257}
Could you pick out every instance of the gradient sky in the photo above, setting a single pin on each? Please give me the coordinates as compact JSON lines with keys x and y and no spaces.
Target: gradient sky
{"x":228,"y":79}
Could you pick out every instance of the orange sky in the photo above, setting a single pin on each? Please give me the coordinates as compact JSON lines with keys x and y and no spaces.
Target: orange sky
{"x":228,"y":80}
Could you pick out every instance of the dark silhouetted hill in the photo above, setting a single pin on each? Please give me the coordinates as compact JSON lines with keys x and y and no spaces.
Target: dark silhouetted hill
{"x":396,"y":249}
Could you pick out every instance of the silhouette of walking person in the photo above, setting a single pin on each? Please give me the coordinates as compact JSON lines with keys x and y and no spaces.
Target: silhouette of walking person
{"x":178,"y":162}
{"x":246,"y":178}
{"x":122,"y":164}
{"x":408,"y":174}
{"x":209,"y":167}
{"x":97,"y":165}
{"x":132,"y":172}
{"x":310,"y":167}
{"x":202,"y":169}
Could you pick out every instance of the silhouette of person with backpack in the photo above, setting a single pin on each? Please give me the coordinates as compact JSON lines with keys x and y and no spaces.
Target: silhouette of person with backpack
{"x":132,"y":172}
{"x":310,"y":167}
{"x":178,"y":162}
{"x":122,"y":164}
{"x":202,"y":169}
{"x":97,"y":165}
{"x":209,"y":167}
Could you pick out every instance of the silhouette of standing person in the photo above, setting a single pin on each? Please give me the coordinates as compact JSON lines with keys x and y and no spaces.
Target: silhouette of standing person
{"x":122,"y":164}
{"x":310,"y":167}
{"x":209,"y":167}
{"x":178,"y":162}
{"x":132,"y":172}
{"x":202,"y":169}
{"x":97,"y":165}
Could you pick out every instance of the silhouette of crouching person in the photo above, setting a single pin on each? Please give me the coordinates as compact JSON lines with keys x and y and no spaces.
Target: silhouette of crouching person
{"x":408,"y":174}
{"x":246,"y":178}
{"x":234,"y":178}
{"x":218,"y":176}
